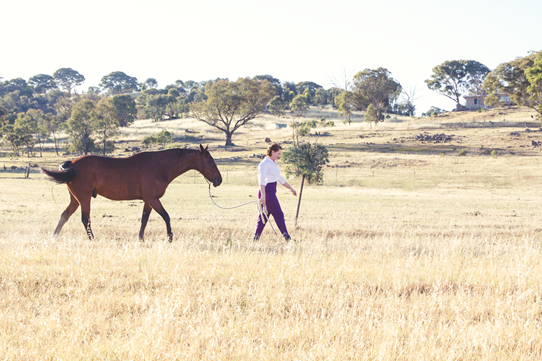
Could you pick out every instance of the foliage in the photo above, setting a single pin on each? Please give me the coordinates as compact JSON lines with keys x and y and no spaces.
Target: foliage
{"x":105,"y":125}
{"x":42,"y":83}
{"x":306,"y":159}
{"x":433,"y":111}
{"x":162,"y":138}
{"x":118,"y":82}
{"x":79,"y":126}
{"x":463,"y":152}
{"x":511,"y":79}
{"x":274,"y":82}
{"x":231,"y":105}
{"x":299,"y":105}
{"x":125,"y":107}
{"x":457,"y":77}
{"x":276,"y":106}
{"x":151,"y":83}
{"x":376,"y":88}
{"x":346,"y":104}
{"x":67,"y":78}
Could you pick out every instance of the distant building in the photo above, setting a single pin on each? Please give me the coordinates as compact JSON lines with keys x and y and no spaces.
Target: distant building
{"x":475,"y":102}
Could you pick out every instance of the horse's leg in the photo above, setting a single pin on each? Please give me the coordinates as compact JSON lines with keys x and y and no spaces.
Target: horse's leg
{"x":70,"y":209}
{"x":158,"y":207}
{"x":85,"y":216}
{"x":147,"y":209}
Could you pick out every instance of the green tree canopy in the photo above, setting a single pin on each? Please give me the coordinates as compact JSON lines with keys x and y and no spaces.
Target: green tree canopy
{"x":516,"y":79}
{"x":346,"y":104}
{"x":42,"y":83}
{"x":306,"y":159}
{"x":67,"y":79}
{"x":376,"y":88}
{"x":455,"y":78}
{"x":299,"y":105}
{"x":275,"y":83}
{"x":151,"y":83}
{"x":231,"y":105}
{"x":125,"y":107}
{"x":105,"y":125}
{"x":118,"y":83}
{"x":80,"y":126}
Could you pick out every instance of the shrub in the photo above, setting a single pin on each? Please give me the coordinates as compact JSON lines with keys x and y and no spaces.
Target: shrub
{"x":462,"y":152}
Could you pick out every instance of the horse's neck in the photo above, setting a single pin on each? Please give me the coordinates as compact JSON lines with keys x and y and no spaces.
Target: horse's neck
{"x":184,"y":165}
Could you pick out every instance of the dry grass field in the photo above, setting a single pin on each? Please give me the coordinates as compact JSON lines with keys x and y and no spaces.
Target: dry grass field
{"x":408,"y":251}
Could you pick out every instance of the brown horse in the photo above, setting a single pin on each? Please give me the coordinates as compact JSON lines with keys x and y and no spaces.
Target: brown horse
{"x":142,"y":176}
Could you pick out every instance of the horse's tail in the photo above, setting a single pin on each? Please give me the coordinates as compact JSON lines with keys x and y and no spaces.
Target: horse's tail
{"x":64,"y":175}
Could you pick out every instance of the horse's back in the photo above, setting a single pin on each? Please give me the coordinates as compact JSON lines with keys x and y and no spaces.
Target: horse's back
{"x":118,"y":178}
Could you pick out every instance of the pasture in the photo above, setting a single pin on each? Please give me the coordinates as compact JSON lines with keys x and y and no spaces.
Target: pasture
{"x":408,"y":251}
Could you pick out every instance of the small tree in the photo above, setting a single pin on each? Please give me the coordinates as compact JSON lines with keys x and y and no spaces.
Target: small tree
{"x":299,"y":105}
{"x":306,"y":160}
{"x":105,"y":125}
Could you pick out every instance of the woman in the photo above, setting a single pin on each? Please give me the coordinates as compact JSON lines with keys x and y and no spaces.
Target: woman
{"x":268,"y":175}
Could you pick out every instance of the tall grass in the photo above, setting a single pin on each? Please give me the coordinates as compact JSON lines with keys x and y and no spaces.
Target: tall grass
{"x":437,"y":273}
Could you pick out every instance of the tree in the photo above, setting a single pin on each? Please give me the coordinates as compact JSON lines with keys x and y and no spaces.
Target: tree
{"x":80,"y":126}
{"x":118,"y":83}
{"x":534,"y":76}
{"x":164,"y":137}
{"x":408,"y":97}
{"x":306,"y":160}
{"x":232,"y":105}
{"x":42,"y":83}
{"x":275,"y":83}
{"x":516,"y":78}
{"x":307,"y":85}
{"x":125,"y":107}
{"x":156,"y":106}
{"x":346,"y":104}
{"x":299,"y":105}
{"x":67,"y":78}
{"x":41,"y":131}
{"x":457,"y":77}
{"x":276,"y":106}
{"x":376,"y":88}
{"x":151,"y":83}
{"x":105,"y":125}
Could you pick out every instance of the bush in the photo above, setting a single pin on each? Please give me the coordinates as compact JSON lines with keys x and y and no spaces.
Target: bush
{"x":494,"y":153}
{"x":462,"y":152}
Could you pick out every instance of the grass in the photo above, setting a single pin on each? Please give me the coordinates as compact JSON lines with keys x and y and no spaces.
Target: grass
{"x":400,"y":256}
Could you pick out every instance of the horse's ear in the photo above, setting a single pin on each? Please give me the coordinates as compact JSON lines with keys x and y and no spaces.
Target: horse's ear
{"x":201,"y":149}
{"x":207,"y":147}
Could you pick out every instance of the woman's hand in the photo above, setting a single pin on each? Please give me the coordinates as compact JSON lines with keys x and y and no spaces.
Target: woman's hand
{"x":262,"y":200}
{"x":293,"y":192}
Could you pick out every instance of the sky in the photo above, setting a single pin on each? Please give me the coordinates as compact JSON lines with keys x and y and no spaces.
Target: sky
{"x":293,"y":40}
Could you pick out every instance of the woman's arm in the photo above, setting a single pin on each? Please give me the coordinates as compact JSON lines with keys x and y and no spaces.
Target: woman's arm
{"x":290,"y":188}
{"x":262,"y":195}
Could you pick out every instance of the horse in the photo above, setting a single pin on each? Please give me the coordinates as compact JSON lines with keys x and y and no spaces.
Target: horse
{"x":142,"y":176}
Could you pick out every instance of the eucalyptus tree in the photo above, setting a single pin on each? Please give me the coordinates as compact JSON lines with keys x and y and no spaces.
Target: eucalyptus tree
{"x":232,"y":105}
{"x":42,"y":83}
{"x":377,"y":89}
{"x":119,"y":83}
{"x":67,"y":79}
{"x":456,"y":78}
{"x":520,"y":79}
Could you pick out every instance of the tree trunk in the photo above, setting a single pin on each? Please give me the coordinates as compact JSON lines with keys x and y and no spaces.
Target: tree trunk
{"x":299,"y":200}
{"x":228,"y":139}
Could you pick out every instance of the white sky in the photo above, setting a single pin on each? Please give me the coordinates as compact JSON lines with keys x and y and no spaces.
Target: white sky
{"x":291,"y":40}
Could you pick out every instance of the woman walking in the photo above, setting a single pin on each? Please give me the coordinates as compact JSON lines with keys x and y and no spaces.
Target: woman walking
{"x":268,"y":176}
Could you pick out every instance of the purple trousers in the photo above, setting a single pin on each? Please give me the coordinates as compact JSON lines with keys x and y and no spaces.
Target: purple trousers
{"x":273,"y":207}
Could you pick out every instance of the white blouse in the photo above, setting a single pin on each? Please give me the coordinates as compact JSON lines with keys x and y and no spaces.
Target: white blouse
{"x":269,"y":172}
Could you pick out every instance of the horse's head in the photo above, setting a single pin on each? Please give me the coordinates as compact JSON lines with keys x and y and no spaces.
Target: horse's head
{"x":209,"y":170}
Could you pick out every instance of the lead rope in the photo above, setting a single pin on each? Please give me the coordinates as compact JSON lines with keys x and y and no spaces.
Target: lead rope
{"x":262,"y":210}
